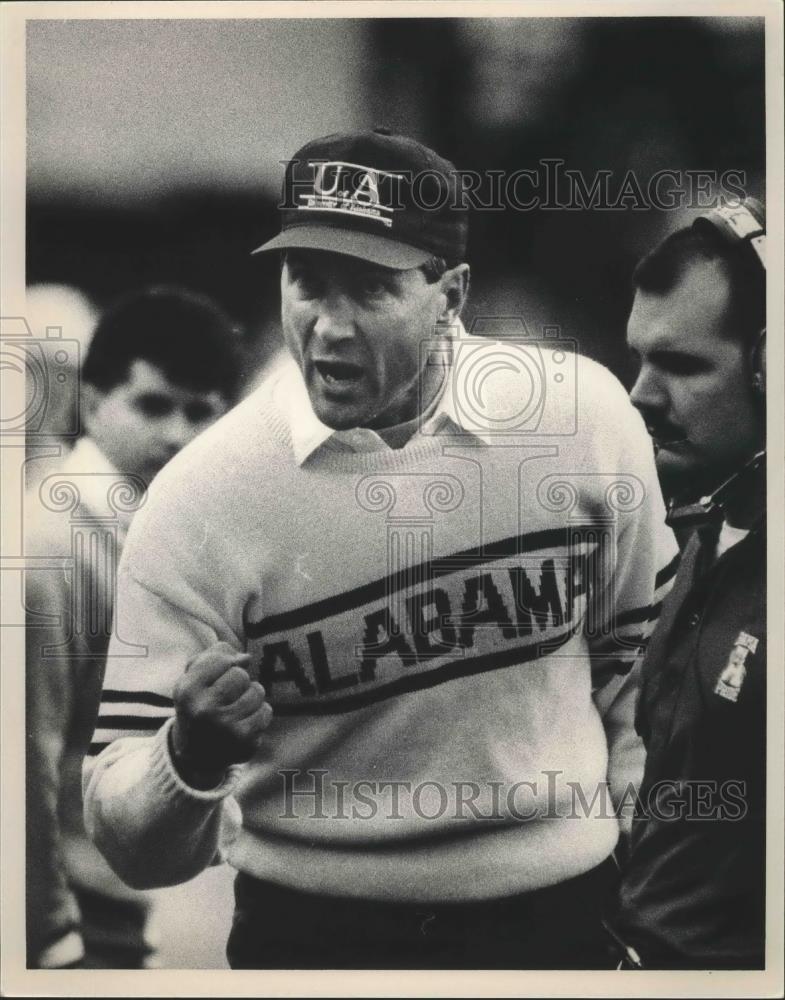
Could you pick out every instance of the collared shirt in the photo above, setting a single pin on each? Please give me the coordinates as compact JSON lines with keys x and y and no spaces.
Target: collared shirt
{"x":95,"y":477}
{"x":309,"y":434}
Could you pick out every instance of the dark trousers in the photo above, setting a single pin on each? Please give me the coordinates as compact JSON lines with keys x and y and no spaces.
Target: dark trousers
{"x":553,"y":928}
{"x":113,"y":932}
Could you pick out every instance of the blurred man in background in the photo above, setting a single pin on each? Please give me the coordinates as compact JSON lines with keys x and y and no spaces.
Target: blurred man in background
{"x":160,"y":368}
{"x":693,"y":891}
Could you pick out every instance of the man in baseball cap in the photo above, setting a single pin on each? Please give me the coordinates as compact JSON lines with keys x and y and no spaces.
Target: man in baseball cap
{"x":368,"y":677}
{"x":378,"y":217}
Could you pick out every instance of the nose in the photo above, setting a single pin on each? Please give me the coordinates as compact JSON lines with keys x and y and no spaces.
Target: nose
{"x":648,"y":392}
{"x":177,"y":431}
{"x":334,"y":318}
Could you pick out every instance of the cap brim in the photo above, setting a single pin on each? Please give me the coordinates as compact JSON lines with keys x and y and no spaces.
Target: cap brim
{"x":365,"y":246}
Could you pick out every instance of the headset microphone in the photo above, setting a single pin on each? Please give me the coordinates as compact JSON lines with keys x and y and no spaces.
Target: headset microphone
{"x":711,"y":508}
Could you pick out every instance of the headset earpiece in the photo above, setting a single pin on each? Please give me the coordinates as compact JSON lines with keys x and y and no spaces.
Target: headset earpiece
{"x":739,"y":224}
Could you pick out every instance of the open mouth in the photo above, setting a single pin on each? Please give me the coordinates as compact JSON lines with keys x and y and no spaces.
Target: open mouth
{"x":339,"y":373}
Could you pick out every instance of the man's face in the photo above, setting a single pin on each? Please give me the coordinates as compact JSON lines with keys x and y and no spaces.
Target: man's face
{"x":356,"y":331}
{"x":693,"y":387}
{"x":144,"y":421}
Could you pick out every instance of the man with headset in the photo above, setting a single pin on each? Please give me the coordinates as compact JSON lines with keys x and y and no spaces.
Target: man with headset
{"x":693,"y":891}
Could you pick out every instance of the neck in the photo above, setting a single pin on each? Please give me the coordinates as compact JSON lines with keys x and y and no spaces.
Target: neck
{"x":744,"y":511}
{"x":413,"y":409}
{"x":743,"y":496}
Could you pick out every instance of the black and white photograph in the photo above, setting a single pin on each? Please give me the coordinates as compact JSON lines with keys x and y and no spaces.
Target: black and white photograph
{"x":392,"y":482}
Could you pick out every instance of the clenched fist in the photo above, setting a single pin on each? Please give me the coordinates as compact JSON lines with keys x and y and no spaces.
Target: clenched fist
{"x":220,"y":716}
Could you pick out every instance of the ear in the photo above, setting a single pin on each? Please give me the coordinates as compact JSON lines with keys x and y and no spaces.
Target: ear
{"x":454,"y":286}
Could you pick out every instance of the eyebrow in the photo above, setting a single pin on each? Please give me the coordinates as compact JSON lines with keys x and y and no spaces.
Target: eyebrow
{"x":666,"y":358}
{"x":670,"y":352}
{"x":663,"y":349}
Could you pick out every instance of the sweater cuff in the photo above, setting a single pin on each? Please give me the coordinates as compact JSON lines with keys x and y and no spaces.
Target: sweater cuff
{"x":166,"y":775}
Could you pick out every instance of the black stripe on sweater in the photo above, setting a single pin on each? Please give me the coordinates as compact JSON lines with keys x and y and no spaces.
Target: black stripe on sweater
{"x":136,"y":698}
{"x":506,"y":548}
{"x":667,"y":572}
{"x":613,"y":644}
{"x":647,"y":614}
{"x":151,"y":723}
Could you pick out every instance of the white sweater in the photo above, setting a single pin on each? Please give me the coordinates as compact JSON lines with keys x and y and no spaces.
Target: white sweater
{"x":434,"y":625}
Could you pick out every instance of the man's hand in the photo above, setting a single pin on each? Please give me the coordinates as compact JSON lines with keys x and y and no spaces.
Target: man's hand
{"x":220,"y":716}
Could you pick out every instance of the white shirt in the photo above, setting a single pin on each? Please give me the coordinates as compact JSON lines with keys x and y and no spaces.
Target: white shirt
{"x":97,"y":482}
{"x":309,"y":433}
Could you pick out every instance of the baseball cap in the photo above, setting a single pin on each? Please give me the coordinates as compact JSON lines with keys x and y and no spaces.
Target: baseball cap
{"x":381,"y":197}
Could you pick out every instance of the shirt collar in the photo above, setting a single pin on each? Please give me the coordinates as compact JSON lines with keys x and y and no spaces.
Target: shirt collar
{"x":96,"y":477}
{"x":309,"y":434}
{"x":86,"y":457}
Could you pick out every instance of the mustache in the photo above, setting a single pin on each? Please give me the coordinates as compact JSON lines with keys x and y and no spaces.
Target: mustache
{"x":662,"y":431}
{"x":667,"y":434}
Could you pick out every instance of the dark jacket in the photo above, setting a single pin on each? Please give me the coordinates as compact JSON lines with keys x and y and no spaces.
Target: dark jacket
{"x":693,"y":889}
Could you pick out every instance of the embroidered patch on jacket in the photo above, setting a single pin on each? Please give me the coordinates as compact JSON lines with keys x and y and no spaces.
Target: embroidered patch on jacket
{"x":732,"y":677}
